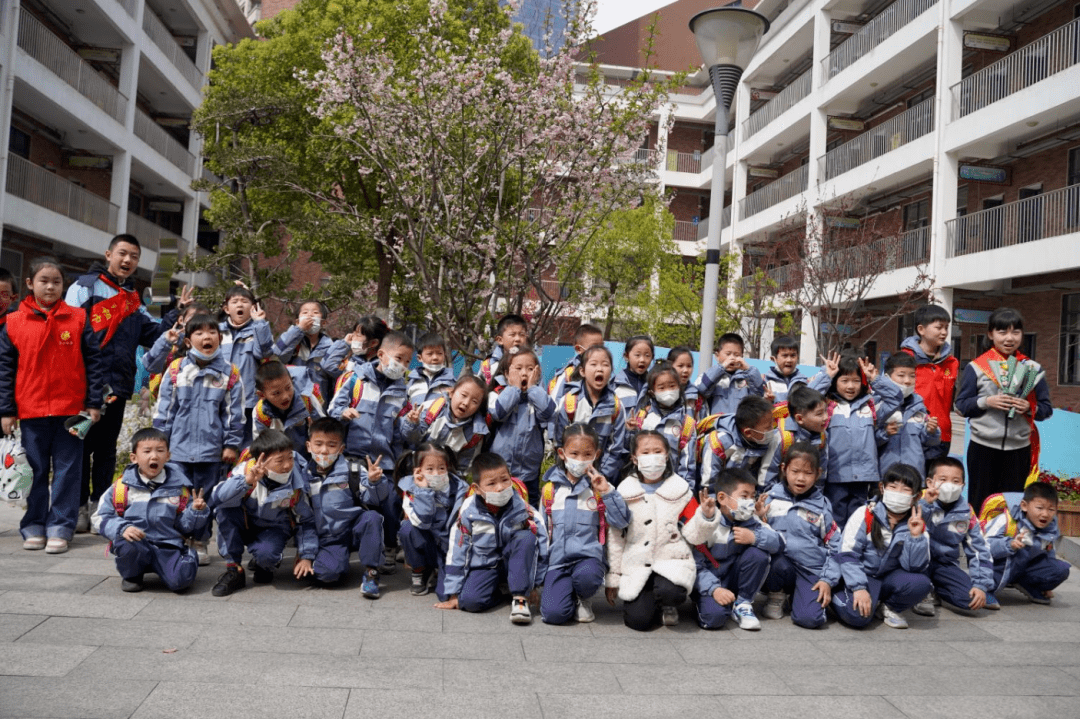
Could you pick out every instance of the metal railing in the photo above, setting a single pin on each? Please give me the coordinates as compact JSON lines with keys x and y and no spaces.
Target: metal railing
{"x":165,"y":144}
{"x":685,"y":231}
{"x":703,"y":225}
{"x":161,"y":36}
{"x":43,"y":188}
{"x":893,"y":133}
{"x":779,"y":279}
{"x":782,"y":189}
{"x":878,"y":30}
{"x":1037,"y":61}
{"x":129,"y":6}
{"x":874,"y":258}
{"x":683,"y":162}
{"x":48,"y":49}
{"x":1051,"y":214}
{"x":645,"y":156}
{"x":150,"y":233}
{"x":774,"y":108}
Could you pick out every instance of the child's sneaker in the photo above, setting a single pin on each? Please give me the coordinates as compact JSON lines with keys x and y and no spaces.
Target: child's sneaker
{"x":744,"y":615}
{"x":669,"y":616}
{"x":56,"y":545}
{"x":992,"y":602}
{"x":774,"y":606}
{"x":891,"y":619}
{"x":82,"y":524}
{"x":419,"y":585}
{"x":234,"y":578}
{"x":585,"y":612}
{"x":519,"y":611}
{"x":1033,"y":595}
{"x":134,"y":584}
{"x":925,"y":607}
{"x":370,"y":586}
{"x":263,"y":576}
{"x":200,"y":552}
{"x":34,"y":543}
{"x":389,"y":565}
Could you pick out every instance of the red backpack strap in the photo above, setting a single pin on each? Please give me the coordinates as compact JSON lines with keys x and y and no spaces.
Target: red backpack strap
{"x":434,"y":409}
{"x":120,"y":497}
{"x":869,"y":519}
{"x":357,"y":393}
{"x":234,"y":377}
{"x":570,"y":404}
{"x":185,"y":497}
{"x":547,"y":498}
{"x":601,"y":512}
{"x":873,"y":409}
{"x":174,"y":370}
{"x":687,"y":432}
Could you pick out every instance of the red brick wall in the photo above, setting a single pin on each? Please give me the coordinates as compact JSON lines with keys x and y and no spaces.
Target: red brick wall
{"x":270,"y":8}
{"x":44,"y":151}
{"x":686,"y":138}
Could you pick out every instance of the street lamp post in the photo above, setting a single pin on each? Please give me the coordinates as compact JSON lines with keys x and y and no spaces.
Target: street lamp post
{"x":727,"y":38}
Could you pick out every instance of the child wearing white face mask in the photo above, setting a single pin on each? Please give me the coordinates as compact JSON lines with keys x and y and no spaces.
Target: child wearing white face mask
{"x":746,"y":440}
{"x":663,"y":408}
{"x":905,"y":436}
{"x":581,"y":509}
{"x":435,"y":375}
{"x":651,"y":563}
{"x":884,"y":553}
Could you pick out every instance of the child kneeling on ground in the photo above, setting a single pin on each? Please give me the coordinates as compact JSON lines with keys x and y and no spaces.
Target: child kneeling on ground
{"x":147,"y":513}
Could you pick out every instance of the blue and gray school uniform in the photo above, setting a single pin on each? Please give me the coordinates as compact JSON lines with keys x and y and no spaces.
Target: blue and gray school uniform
{"x":464,"y":436}
{"x":894,"y":574}
{"x":722,"y":390}
{"x":739,"y":568}
{"x":486,"y":548}
{"x":951,"y":527}
{"x":156,"y":359}
{"x":798,"y":434}
{"x":629,"y":386}
{"x":294,"y":348}
{"x":780,"y":384}
{"x":342,"y":525}
{"x":295,"y":420}
{"x":424,"y":387}
{"x":153,"y":508}
{"x":1034,"y":566}
{"x":425,"y":532}
{"x":682,"y":445}
{"x":558,"y":385}
{"x":608,"y":420}
{"x":489,"y":366}
{"x":246,"y":347}
{"x":909,"y":445}
{"x":520,"y":419}
{"x":725,"y":447}
{"x":381,"y":403}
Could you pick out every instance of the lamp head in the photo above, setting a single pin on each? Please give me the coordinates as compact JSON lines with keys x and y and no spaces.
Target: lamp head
{"x":728,"y":35}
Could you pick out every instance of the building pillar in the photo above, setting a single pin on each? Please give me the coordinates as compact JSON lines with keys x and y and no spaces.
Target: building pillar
{"x":808,"y":346}
{"x":946,"y":166}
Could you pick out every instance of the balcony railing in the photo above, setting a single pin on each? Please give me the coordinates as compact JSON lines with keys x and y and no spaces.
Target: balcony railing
{"x":1046,"y":56}
{"x":128,"y":5}
{"x":165,"y":144}
{"x":150,"y":233}
{"x":703,"y":226}
{"x":1052,"y":214}
{"x":884,"y":255}
{"x":776,"y":192}
{"x":164,"y":40}
{"x":686,"y":231}
{"x":683,"y":162}
{"x":37,"y":185}
{"x":875,"y":142}
{"x":774,"y":108}
{"x":45,"y":47}
{"x":878,"y":30}
{"x":779,"y":279}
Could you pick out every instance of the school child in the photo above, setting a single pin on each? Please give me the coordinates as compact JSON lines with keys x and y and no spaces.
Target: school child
{"x":936,"y":370}
{"x":585,"y":336}
{"x":288,"y":402}
{"x":734,"y":561}
{"x":147,"y":514}
{"x":681,"y":359}
{"x":304,"y":344}
{"x":807,"y":567}
{"x":358,"y":347}
{"x":853,"y":416}
{"x":746,"y":440}
{"x":498,"y":538}
{"x":1022,"y":538}
{"x":200,"y":409}
{"x":806,"y":420}
{"x":8,"y":294}
{"x":433,"y":494}
{"x":511,"y":333}
{"x":581,"y":509}
{"x":1002,"y":409}
{"x":630,"y":381}
{"x":884,"y":553}
{"x":663,"y":408}
{"x":341,"y":524}
{"x":261,"y":505}
{"x":905,"y":436}
{"x":723,"y":385}
{"x":246,"y":341}
{"x":371,"y":401}
{"x":51,"y":368}
{"x":435,"y":376}
{"x":652,"y":567}
{"x":589,"y":398}
{"x":520,"y":410}
{"x":784,"y":374}
{"x":952,"y":524}
{"x":458,"y":422}
{"x":170,"y":344}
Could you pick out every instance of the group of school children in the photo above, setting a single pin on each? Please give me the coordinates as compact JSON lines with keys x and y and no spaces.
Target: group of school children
{"x":830,"y":491}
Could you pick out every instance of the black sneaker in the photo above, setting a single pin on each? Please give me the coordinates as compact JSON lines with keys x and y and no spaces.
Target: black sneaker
{"x":263,"y":576}
{"x":134,"y":584}
{"x":234,"y":578}
{"x":251,"y":565}
{"x":419,"y":584}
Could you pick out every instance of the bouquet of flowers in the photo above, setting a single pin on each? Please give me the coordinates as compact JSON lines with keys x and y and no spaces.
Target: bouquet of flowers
{"x":1020,"y":378}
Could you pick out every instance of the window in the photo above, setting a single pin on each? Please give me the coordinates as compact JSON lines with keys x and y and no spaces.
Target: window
{"x":916,"y":215}
{"x":905,"y":327}
{"x":920,"y":97}
{"x":1069,"y":352}
{"x":20,"y":143}
{"x":1072,"y":197}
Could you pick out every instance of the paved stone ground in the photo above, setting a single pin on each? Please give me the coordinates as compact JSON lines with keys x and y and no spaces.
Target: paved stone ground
{"x":73,"y":645}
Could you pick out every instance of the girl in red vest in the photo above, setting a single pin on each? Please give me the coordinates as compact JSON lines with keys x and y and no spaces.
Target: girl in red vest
{"x":51,"y":368}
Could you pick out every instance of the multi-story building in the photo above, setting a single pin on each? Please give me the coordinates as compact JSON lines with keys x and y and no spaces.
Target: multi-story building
{"x":98,"y":95}
{"x":958,"y":121}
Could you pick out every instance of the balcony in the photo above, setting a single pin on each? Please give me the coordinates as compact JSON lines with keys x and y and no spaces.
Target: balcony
{"x":685,"y":231}
{"x":49,"y":50}
{"x":884,"y":255}
{"x":165,"y":144}
{"x":161,"y":36}
{"x":776,"y":192}
{"x":1052,"y":214}
{"x":884,"y":138}
{"x":150,"y":234}
{"x":703,"y":225}
{"x":128,"y":5}
{"x":878,"y":30}
{"x":774,"y":108}
{"x":43,"y":188}
{"x":683,"y":162}
{"x":777,"y":280}
{"x":1037,"y":61}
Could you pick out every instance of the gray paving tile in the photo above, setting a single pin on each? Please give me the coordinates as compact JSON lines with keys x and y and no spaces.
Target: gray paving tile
{"x":1051,"y":654}
{"x":604,"y":651}
{"x":989,"y":706}
{"x":13,"y":626}
{"x":156,"y":665}
{"x":675,"y":679}
{"x":926,"y":680}
{"x":854,"y":653}
{"x":497,"y":621}
{"x":176,"y":700}
{"x":25,"y":562}
{"x":364,"y":616}
{"x":1073,"y":671}
{"x":41,"y":660}
{"x":566,"y":677}
{"x":94,"y":632}
{"x":279,"y":639}
{"x":62,"y":697}
{"x":45,"y":582}
{"x":100,"y":567}
{"x":413,"y":703}
{"x":441,"y":646}
{"x":1034,"y":631}
{"x":377,"y":673}
{"x":182,"y":609}
{"x":153,"y":588}
{"x":629,"y":707}
{"x":719,"y":647}
{"x":803,"y":707}
{"x":72,"y":605}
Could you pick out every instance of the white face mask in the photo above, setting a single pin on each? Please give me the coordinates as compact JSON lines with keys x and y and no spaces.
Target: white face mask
{"x":652,"y":466}
{"x":438,"y":482}
{"x":316,"y":326}
{"x":325,"y":460}
{"x":668,"y":397}
{"x":577,"y":467}
{"x":907,"y":390}
{"x":766,"y":439}
{"x":744,"y":510}
{"x":434,"y":367}
{"x":278,"y":477}
{"x":392,"y":370}
{"x":499,"y":499}
{"x":357,"y":348}
{"x":897,"y":502}
{"x":949,"y":492}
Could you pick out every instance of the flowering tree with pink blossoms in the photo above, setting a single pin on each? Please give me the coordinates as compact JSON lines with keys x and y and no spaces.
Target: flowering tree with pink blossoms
{"x":495,"y":174}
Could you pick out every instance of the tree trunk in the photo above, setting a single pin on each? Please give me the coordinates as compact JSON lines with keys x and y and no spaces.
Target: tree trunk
{"x":386,"y":279}
{"x":610,"y":320}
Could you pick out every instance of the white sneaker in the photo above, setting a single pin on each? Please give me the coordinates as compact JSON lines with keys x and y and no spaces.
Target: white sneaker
{"x":669,"y":616}
{"x":774,"y":607}
{"x":91,"y":509}
{"x":82,"y":524}
{"x":519,"y":611}
{"x":892,"y":619}
{"x":584,"y":611}
{"x":200,"y":551}
{"x":744,"y":615}
{"x":56,"y":545}
{"x":925,"y":608}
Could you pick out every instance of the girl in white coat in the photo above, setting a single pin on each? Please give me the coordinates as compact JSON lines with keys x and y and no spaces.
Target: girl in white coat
{"x":651,"y":562}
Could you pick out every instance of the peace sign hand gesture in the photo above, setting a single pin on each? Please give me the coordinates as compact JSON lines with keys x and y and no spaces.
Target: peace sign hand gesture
{"x":256,"y":471}
{"x":199,"y":502}
{"x":868,"y":369}
{"x":257,"y":312}
{"x":599,"y":482}
{"x":832,"y":363}
{"x":708,"y":504}
{"x":916,"y":524}
{"x":374,"y":471}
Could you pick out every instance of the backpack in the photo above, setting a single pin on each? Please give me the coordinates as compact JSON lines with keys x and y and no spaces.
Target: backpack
{"x":174,"y":373}
{"x":522,"y":492}
{"x":571,"y":407}
{"x":547,"y":497}
{"x":706,"y":436}
{"x":685,"y":433}
{"x":436,"y":407}
{"x":994,"y":506}
{"x":120,"y":498}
